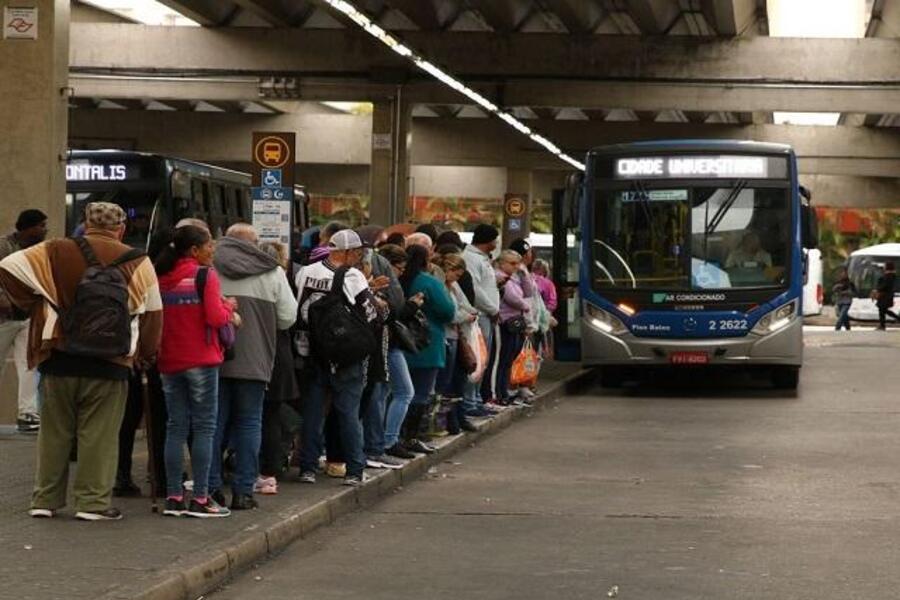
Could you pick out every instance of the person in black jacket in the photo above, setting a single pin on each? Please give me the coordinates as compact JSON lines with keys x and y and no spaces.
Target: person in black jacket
{"x":884,"y":295}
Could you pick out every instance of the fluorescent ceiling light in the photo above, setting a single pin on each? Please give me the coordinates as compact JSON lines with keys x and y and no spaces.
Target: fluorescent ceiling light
{"x":817,"y":18}
{"x":806,"y":118}
{"x":148,"y":12}
{"x":405,"y":51}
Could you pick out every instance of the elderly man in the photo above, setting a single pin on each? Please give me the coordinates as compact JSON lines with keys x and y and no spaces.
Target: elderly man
{"x":84,"y":382}
{"x":487,"y":301}
{"x":266,"y":304}
{"x":31,"y":229}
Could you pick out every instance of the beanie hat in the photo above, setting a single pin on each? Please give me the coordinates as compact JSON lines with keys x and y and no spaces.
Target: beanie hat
{"x":104,"y":215}
{"x":29,"y":218}
{"x":485,"y":234}
{"x":521,"y":246}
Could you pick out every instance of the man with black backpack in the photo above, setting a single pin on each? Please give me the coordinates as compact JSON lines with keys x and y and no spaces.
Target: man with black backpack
{"x":338,"y":315}
{"x":95,"y":311}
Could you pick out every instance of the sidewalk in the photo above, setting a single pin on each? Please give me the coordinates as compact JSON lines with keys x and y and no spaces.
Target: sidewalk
{"x":150,"y":557}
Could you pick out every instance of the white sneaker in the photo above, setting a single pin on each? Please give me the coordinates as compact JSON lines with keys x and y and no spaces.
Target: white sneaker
{"x":267,"y":486}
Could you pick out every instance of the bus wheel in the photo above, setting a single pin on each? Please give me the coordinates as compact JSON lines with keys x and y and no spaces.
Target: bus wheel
{"x":786,"y":378}
{"x":612,"y":377}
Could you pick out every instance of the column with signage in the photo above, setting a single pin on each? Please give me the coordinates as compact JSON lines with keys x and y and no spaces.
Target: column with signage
{"x":389,"y":174}
{"x":274,"y":157}
{"x":34,"y":72}
{"x":34,"y":109}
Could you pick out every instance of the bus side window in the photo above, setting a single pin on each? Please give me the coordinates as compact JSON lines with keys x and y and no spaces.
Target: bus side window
{"x":237,"y":208}
{"x":198,"y":197}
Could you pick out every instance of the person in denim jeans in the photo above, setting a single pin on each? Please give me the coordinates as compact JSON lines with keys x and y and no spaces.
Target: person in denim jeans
{"x":346,"y":383}
{"x":261,"y":287}
{"x":188,"y":363}
{"x":843,"y":292}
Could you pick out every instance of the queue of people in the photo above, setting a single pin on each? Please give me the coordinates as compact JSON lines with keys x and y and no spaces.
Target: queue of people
{"x":356,"y":350}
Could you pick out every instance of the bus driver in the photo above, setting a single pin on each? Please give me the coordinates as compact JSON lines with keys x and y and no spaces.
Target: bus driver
{"x":749,"y":254}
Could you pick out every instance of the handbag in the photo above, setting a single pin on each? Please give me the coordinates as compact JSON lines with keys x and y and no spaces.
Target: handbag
{"x":515,"y":325}
{"x":465,"y":356}
{"x":412,"y":334}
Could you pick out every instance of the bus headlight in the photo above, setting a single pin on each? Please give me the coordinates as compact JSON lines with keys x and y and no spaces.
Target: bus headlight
{"x":604,"y":321}
{"x":777,"y":319}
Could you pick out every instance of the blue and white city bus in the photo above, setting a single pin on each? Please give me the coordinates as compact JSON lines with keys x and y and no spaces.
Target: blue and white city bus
{"x":691,"y":255}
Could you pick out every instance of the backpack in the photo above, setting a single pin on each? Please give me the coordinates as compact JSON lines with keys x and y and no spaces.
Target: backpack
{"x":98,"y":324}
{"x":227,"y":334}
{"x":339,"y":334}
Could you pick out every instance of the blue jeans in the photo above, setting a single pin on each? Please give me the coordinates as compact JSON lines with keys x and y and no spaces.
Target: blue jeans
{"x":447,"y":376}
{"x":192,"y":399}
{"x":373,"y":420}
{"x":510,"y":347}
{"x":401,"y":395}
{"x":843,"y":320}
{"x":423,"y":381}
{"x":472,"y":399}
{"x":345,"y":389}
{"x":240,"y":421}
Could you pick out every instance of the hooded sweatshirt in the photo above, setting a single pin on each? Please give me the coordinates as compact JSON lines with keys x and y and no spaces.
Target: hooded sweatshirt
{"x":265,"y":303}
{"x":190,"y":323}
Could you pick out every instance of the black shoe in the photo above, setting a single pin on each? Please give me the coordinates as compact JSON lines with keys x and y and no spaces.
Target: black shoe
{"x":419,"y":446}
{"x":243,"y":502}
{"x":467,"y":425}
{"x":110,"y":514}
{"x":219,"y":497}
{"x":398,"y":451}
{"x":174,"y":508}
{"x":126,"y":489}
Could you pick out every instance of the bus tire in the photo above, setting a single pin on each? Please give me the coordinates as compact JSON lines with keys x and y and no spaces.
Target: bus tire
{"x":786,"y":378}
{"x":612,"y":377}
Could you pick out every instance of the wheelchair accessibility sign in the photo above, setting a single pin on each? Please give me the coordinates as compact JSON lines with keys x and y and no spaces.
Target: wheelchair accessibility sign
{"x":271,"y":178}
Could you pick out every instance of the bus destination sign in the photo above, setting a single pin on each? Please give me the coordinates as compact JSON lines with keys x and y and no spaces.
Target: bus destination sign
{"x":692,"y":167}
{"x":82,"y":171}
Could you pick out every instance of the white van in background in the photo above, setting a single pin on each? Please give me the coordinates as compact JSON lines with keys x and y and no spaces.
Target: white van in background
{"x":865,"y":266}
{"x":813,"y":290}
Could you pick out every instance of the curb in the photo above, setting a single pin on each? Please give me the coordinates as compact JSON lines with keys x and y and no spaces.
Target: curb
{"x":222,"y":565}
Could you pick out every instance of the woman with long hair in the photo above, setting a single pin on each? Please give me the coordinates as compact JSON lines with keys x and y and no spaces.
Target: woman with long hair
{"x":425,"y":364}
{"x":189,"y":360}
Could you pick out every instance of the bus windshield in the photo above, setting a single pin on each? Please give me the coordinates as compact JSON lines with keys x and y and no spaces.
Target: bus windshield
{"x":139,"y":205}
{"x":688,"y":237}
{"x":864,"y":271}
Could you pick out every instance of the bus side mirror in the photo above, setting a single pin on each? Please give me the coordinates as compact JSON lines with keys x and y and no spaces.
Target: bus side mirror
{"x":809,"y":227}
{"x":571,"y":199}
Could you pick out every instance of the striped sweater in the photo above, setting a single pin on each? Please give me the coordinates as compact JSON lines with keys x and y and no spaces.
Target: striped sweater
{"x":52,"y":270}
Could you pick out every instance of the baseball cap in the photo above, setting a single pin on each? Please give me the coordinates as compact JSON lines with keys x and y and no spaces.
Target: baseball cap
{"x":346,"y":239}
{"x":521,"y":246}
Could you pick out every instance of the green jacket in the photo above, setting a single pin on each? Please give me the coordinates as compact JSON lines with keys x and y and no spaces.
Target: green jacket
{"x":440,"y":310}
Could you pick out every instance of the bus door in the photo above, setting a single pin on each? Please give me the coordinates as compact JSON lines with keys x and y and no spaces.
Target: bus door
{"x":566,"y":250}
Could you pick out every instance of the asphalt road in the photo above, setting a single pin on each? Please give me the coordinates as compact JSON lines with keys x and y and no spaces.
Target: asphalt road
{"x":708,"y":488}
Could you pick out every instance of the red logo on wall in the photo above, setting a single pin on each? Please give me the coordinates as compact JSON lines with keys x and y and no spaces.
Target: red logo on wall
{"x":20,"y":25}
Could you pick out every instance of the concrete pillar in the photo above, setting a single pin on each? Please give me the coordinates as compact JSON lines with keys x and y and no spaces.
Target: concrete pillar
{"x":33,"y":117}
{"x":516,"y":217}
{"x":389,"y":173}
{"x":33,"y":134}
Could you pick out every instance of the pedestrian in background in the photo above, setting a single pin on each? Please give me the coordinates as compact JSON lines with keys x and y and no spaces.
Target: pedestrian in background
{"x":487,"y":301}
{"x":425,"y":364}
{"x":843,"y":292}
{"x":31,"y":229}
{"x":267,"y":304}
{"x":83,"y":395}
{"x":884,"y":295}
{"x":189,"y":361}
{"x":514,"y":311}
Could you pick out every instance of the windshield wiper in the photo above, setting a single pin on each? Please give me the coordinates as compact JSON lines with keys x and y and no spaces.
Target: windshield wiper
{"x":723,"y":209}
{"x":621,"y":260}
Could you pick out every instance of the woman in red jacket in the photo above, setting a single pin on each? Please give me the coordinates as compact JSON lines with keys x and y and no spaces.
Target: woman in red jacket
{"x":189,"y":360}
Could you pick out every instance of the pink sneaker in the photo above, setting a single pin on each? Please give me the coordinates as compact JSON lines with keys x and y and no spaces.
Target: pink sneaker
{"x":268,"y":486}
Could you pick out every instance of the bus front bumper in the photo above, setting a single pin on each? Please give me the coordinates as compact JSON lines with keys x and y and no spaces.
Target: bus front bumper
{"x":783,"y":347}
